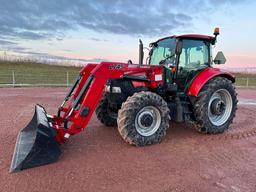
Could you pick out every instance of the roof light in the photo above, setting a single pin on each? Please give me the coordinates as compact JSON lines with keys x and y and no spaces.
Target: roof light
{"x":216,"y":31}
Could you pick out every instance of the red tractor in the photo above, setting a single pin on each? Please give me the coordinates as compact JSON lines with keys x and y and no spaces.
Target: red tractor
{"x":178,"y":83}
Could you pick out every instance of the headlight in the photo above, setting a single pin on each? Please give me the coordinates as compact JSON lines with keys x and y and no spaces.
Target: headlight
{"x":113,"y":90}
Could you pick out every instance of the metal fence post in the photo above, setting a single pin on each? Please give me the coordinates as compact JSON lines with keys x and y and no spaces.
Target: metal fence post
{"x":67,"y":79}
{"x":247,"y":82}
{"x":13,"y":78}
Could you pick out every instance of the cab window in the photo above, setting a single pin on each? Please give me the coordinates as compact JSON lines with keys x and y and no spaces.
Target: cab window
{"x":195,"y":54}
{"x":164,"y":50}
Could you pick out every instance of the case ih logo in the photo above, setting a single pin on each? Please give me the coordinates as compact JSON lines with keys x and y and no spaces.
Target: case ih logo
{"x":116,"y":66}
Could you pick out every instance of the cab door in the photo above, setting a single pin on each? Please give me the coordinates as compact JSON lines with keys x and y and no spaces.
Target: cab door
{"x":195,"y":56}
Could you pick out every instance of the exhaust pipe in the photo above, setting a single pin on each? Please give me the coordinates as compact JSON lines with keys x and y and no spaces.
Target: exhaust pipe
{"x":141,"y":52}
{"x":36,"y":144}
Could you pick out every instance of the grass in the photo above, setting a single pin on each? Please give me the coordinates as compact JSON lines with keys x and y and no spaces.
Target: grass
{"x":242,"y":78}
{"x":36,"y":73}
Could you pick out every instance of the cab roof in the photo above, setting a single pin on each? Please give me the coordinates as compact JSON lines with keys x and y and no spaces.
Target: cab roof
{"x":192,"y":36}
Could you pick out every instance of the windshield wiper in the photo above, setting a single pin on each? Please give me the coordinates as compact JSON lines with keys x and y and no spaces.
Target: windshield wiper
{"x":165,"y":59}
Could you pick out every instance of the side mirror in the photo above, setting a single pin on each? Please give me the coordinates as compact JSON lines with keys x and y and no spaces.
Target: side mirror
{"x":178,"y":49}
{"x":219,"y":58}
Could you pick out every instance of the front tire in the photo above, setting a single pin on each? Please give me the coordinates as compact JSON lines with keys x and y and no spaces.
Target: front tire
{"x":143,"y":119}
{"x":215,"y":106}
{"x":104,"y":114}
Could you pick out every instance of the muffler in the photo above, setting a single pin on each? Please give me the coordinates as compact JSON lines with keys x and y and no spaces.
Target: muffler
{"x":36,"y":144}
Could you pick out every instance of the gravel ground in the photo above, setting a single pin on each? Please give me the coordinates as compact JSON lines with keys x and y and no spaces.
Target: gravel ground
{"x":99,"y":160}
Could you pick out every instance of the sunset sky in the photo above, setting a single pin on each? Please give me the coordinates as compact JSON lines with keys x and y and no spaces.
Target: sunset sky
{"x":96,"y":30}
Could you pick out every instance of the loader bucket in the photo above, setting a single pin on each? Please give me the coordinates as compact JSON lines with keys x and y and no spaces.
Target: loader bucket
{"x":36,"y":144}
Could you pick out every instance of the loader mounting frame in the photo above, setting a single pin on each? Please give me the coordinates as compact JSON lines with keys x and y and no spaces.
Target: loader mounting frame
{"x":84,"y":96}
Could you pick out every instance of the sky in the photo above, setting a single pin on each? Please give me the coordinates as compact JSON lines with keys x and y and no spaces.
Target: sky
{"x":96,"y":30}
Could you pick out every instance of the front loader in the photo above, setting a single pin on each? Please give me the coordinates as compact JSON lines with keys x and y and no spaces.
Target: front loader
{"x":178,"y":83}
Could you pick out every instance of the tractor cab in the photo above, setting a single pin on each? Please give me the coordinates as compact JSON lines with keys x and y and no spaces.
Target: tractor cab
{"x":183,"y":57}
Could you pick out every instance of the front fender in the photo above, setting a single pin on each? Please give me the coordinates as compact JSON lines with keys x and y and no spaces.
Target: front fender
{"x":204,"y":76}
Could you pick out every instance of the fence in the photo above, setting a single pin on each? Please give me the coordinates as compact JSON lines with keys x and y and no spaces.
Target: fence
{"x":18,"y":79}
{"x":249,"y":82}
{"x":66,"y":78}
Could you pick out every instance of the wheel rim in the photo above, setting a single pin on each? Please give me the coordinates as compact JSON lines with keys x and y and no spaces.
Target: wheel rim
{"x":220,"y":107}
{"x":147,"y":121}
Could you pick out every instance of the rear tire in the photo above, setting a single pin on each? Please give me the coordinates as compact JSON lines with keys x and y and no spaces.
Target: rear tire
{"x":215,"y":106}
{"x":104,"y":114}
{"x":143,"y":119}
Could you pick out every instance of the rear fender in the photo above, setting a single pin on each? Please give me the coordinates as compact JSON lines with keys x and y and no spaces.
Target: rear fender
{"x":204,"y":76}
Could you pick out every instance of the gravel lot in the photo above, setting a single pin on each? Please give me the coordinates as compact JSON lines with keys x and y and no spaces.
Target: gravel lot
{"x":99,"y":160}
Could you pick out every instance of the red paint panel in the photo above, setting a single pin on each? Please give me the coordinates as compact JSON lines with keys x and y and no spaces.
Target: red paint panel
{"x":204,"y":76}
{"x":197,"y":36}
{"x":138,"y":84}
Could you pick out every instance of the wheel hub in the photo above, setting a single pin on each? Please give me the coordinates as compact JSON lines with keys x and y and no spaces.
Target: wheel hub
{"x":148,"y":120}
{"x":218,"y":106}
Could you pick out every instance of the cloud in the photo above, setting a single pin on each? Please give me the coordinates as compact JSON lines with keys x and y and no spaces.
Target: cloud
{"x":97,"y":39}
{"x":47,"y":58}
{"x":40,"y":19}
{"x":59,"y":38}
{"x":8,"y":43}
{"x":130,"y":17}
{"x":31,"y":35}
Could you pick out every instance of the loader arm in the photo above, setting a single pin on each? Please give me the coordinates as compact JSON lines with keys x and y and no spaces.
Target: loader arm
{"x":83,"y":98}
